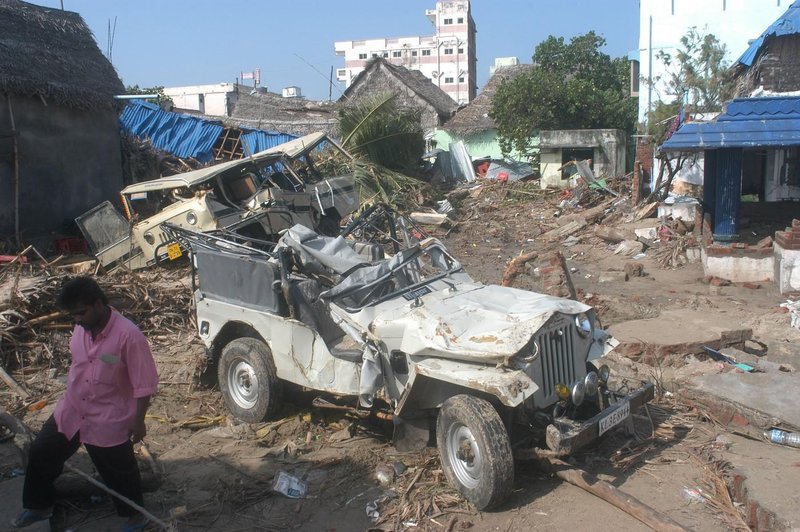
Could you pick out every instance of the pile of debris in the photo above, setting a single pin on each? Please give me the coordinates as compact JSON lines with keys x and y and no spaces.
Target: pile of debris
{"x":34,"y":333}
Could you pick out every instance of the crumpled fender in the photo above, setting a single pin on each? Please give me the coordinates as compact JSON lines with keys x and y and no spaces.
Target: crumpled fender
{"x":510,"y":386}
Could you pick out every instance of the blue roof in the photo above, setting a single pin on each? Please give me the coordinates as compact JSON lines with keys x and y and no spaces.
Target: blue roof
{"x":787,"y":24}
{"x":770,"y":122}
{"x":189,"y":136}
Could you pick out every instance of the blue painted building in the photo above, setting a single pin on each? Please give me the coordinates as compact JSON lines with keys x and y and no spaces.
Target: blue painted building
{"x":752,"y":148}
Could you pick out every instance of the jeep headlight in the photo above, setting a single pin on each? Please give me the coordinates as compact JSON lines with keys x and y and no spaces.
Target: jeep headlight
{"x":149,"y":238}
{"x":577,"y":393}
{"x":583,"y":324}
{"x":191,"y":218}
{"x":590,"y":383}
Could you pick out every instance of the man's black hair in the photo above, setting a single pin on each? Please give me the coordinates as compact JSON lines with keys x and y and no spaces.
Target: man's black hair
{"x":80,"y":290}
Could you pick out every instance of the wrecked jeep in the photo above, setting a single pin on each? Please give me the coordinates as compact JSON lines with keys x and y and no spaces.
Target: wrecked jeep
{"x":492,"y":371}
{"x":257,"y":196}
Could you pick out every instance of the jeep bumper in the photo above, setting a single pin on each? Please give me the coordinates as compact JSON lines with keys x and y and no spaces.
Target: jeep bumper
{"x":566,"y":437}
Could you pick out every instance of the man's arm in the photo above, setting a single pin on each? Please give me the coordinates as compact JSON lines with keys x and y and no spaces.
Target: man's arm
{"x":139,"y":430}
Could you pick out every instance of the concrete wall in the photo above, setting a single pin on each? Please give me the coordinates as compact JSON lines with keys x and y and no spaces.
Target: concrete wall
{"x":481,"y":144}
{"x":70,"y":161}
{"x":213,"y":100}
{"x":609,"y":148}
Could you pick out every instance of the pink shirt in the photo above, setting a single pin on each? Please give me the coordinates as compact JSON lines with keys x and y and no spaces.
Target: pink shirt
{"x":106,"y":377}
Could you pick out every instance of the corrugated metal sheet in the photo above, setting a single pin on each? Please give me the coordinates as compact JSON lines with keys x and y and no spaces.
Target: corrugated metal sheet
{"x":728,"y":194}
{"x":189,"y":136}
{"x":256,"y":141}
{"x":747,"y":123}
{"x":787,"y":24}
{"x":179,"y":134}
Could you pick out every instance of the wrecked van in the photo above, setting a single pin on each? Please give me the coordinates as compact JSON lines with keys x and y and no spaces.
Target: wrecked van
{"x":390,"y":321}
{"x":257,"y":196}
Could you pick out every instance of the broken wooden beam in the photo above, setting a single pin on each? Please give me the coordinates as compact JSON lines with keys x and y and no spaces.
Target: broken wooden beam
{"x":612,"y":495}
{"x":516,"y":266}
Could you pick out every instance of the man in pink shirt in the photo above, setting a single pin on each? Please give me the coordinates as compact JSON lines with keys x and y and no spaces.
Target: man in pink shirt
{"x":111,"y":379}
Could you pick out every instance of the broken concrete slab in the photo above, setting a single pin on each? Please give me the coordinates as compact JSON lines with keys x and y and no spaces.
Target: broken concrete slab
{"x":612,"y":276}
{"x":676,"y":333}
{"x":754,"y":467}
{"x":755,"y":400}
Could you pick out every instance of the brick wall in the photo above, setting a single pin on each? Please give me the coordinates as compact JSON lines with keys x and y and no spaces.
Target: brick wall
{"x":642,"y":168}
{"x":790,"y":238}
{"x":779,"y":70}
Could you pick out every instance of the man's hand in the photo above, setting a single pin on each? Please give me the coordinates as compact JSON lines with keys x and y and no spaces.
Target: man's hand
{"x":138,"y":431}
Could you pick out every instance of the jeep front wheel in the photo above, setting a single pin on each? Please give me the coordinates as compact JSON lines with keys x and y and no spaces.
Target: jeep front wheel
{"x":475,"y":450}
{"x":248,"y":381}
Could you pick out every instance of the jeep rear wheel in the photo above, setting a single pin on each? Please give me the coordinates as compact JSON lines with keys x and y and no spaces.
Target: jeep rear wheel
{"x":475,"y":450}
{"x":248,"y":381}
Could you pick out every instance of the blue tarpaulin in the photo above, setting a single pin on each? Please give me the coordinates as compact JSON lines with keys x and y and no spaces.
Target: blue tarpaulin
{"x":189,"y":136}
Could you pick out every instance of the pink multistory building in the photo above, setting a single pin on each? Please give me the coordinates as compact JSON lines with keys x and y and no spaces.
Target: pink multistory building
{"x":447,"y":58}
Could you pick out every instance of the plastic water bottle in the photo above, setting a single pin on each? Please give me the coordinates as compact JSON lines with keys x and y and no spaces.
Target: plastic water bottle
{"x":782,"y":437}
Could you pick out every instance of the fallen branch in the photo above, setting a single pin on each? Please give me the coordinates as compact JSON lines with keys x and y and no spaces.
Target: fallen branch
{"x":516,"y":266}
{"x":11,"y":383}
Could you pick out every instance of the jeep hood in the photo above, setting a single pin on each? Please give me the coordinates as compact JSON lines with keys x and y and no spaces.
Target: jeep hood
{"x":476,"y":323}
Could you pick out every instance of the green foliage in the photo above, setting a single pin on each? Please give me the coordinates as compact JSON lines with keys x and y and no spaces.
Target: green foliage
{"x":660,"y":119}
{"x":163,"y":100}
{"x":379,"y":130}
{"x":698,"y":68}
{"x":571,"y":86}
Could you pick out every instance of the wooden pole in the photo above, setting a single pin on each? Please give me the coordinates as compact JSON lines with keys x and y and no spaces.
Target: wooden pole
{"x":16,"y":388}
{"x":572,"y":293}
{"x":625,"y":502}
{"x":16,"y":170}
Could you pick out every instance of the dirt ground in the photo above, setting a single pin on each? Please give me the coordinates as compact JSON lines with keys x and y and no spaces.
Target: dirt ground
{"x":213,"y":473}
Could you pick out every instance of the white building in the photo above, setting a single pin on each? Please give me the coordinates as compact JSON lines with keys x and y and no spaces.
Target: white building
{"x":212,"y":100}
{"x":447,"y":58}
{"x":664,"y":22}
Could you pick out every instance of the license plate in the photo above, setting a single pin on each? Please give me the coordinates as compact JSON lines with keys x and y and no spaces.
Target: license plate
{"x":174,"y":251}
{"x":614,"y":418}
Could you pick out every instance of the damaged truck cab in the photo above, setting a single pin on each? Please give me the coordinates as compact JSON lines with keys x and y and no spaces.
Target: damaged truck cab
{"x":499,"y":372}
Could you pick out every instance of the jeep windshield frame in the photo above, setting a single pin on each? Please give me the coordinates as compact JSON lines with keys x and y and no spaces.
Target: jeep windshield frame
{"x":406,"y":274}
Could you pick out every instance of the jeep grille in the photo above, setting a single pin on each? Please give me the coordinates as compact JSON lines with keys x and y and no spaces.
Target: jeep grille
{"x":557,"y":353}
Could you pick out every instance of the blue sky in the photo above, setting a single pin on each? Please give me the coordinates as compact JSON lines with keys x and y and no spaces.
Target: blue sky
{"x":190,"y":42}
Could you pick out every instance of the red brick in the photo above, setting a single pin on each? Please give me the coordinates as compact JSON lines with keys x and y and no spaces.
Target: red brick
{"x":765,"y":242}
{"x":716,"y":251}
{"x":740,"y":420}
{"x":751,"y":286}
{"x":739,"y":245}
{"x":785,"y":243}
{"x":718,"y":281}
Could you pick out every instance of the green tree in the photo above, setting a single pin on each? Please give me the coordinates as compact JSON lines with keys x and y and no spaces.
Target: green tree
{"x":164,"y":101}
{"x":699,"y":69}
{"x":570,"y":86}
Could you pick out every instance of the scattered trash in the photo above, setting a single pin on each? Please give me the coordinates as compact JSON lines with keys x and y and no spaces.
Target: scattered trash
{"x":629,"y":247}
{"x":792,"y":439}
{"x":399,"y":468}
{"x":693,"y":495}
{"x":444,"y":207}
{"x":794,"y":309}
{"x":289,"y":485}
{"x":384,"y":474}
{"x":373,"y":507}
{"x":720,"y":357}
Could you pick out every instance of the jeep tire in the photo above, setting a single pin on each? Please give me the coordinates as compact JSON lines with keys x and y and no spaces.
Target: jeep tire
{"x":475,"y":450}
{"x":248,"y":380}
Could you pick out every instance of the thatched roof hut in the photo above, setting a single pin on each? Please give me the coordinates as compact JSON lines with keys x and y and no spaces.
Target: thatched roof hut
{"x":475,"y":117}
{"x":52,"y":54}
{"x":414,"y":89}
{"x":261,"y":109}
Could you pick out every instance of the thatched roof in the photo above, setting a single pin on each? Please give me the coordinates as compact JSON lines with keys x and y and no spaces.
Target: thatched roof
{"x":52,"y":53}
{"x":414,"y":79}
{"x":261,"y":109}
{"x":475,"y":116}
